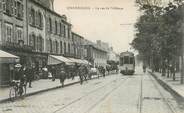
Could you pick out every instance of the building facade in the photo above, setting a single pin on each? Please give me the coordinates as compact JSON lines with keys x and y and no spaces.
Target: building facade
{"x":12,"y":33}
{"x":112,"y":56}
{"x":32,"y":31}
{"x":96,"y":54}
{"x":78,"y":42}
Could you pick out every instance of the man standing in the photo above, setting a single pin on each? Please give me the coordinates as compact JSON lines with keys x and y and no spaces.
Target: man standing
{"x":62,"y":75}
{"x":29,"y":75}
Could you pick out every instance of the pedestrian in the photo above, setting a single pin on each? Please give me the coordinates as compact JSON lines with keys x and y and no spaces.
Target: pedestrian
{"x":80,"y":69}
{"x":62,"y":76}
{"x":53,"y":71}
{"x":86,"y":72}
{"x":144,"y":68}
{"x":103,"y":71}
{"x":29,"y":72}
{"x":108,"y":68}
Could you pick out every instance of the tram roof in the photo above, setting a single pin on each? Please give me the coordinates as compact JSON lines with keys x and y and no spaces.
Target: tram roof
{"x":126,"y":53}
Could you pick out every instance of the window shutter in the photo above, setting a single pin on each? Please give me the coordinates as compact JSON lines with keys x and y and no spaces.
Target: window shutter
{"x":4,"y":5}
{"x":1,"y":5}
{"x":30,"y":16}
{"x":36,"y":18}
{"x":47,"y":23}
{"x":15,"y":9}
{"x":22,"y":9}
{"x":11,"y":7}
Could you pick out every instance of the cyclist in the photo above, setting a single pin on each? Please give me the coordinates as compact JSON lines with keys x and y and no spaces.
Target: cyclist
{"x":19,"y":77}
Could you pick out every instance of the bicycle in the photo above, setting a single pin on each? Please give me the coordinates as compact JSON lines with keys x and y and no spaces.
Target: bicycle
{"x":17,"y":90}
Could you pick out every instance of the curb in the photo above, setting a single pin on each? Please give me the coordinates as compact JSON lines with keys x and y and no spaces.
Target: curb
{"x":168,"y":88}
{"x":46,"y":90}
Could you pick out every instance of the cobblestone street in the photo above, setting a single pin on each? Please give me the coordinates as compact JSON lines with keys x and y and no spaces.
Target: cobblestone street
{"x":113,"y":94}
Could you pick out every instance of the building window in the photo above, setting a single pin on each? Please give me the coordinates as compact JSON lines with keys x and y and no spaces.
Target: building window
{"x":39,"y":43}
{"x":9,"y":32}
{"x":56,"y":44}
{"x":40,"y":20}
{"x":32,"y":41}
{"x":68,"y":32}
{"x":19,"y":10}
{"x":50,"y":43}
{"x":19,"y":32}
{"x":68,"y":48}
{"x":61,"y":47}
{"x":0,"y":31}
{"x":60,"y":28}
{"x":64,"y":48}
{"x":64,"y":31}
{"x":32,"y":17}
{"x":7,"y":7}
{"x":50,"y":25}
{"x":56,"y":27}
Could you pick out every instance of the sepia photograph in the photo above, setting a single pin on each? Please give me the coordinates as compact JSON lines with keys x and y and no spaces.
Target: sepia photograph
{"x":91,"y":56}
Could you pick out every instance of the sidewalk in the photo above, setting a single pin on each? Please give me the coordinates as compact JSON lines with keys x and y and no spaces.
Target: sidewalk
{"x":168,"y":83}
{"x":38,"y":86}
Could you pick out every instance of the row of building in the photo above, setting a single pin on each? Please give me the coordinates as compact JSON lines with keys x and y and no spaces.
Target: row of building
{"x":32,"y":30}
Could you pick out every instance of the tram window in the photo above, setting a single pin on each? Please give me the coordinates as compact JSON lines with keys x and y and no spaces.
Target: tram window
{"x":126,"y":60}
{"x":131,"y":60}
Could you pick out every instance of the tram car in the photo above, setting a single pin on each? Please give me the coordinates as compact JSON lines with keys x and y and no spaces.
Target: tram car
{"x":127,"y":63}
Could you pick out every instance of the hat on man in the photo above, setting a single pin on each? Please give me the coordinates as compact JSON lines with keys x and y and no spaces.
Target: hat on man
{"x":18,"y":65}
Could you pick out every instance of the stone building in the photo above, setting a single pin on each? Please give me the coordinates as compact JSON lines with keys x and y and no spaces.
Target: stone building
{"x":78,"y":42}
{"x":12,"y":33}
{"x":32,"y":30}
{"x":49,"y":32}
{"x":96,"y":54}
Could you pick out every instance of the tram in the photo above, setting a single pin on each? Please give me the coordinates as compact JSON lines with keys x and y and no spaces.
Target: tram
{"x":127,"y":63}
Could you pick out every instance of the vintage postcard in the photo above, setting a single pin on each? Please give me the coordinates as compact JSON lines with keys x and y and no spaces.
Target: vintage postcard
{"x":91,"y":56}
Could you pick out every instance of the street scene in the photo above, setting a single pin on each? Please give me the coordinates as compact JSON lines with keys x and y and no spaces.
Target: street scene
{"x":114,"y":93}
{"x":68,"y":56}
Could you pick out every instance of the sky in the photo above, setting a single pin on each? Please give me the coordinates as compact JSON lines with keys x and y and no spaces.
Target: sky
{"x":111,"y":21}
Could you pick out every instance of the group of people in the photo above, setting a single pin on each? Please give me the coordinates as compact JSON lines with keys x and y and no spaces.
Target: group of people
{"x":101,"y":70}
{"x":24,"y":74}
{"x":62,"y":72}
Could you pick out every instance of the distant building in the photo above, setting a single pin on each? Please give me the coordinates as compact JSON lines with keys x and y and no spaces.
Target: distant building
{"x":103,"y":45}
{"x":96,"y":54}
{"x":113,"y":56}
{"x":78,"y":42}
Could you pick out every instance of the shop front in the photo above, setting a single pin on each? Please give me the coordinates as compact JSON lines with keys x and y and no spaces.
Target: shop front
{"x":7,"y":62}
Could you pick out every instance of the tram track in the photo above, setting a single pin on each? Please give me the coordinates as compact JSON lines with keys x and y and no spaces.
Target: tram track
{"x":170,"y":107}
{"x":105,"y":96}
{"x":90,"y":93}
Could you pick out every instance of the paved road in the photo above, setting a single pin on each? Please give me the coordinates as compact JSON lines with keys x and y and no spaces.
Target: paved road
{"x":113,"y":94}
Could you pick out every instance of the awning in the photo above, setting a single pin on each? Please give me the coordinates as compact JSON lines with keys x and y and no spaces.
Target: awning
{"x":87,"y":62}
{"x":80,"y":61}
{"x":76,"y":60}
{"x":6,"y":57}
{"x":53,"y":60}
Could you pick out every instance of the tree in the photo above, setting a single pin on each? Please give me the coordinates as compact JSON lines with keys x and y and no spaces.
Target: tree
{"x":158,"y":33}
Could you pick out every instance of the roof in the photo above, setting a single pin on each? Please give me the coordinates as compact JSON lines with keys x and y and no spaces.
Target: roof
{"x":51,"y":11}
{"x":126,"y":53}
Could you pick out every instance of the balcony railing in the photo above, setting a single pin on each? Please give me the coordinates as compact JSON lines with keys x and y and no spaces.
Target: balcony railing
{"x":16,"y":46}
